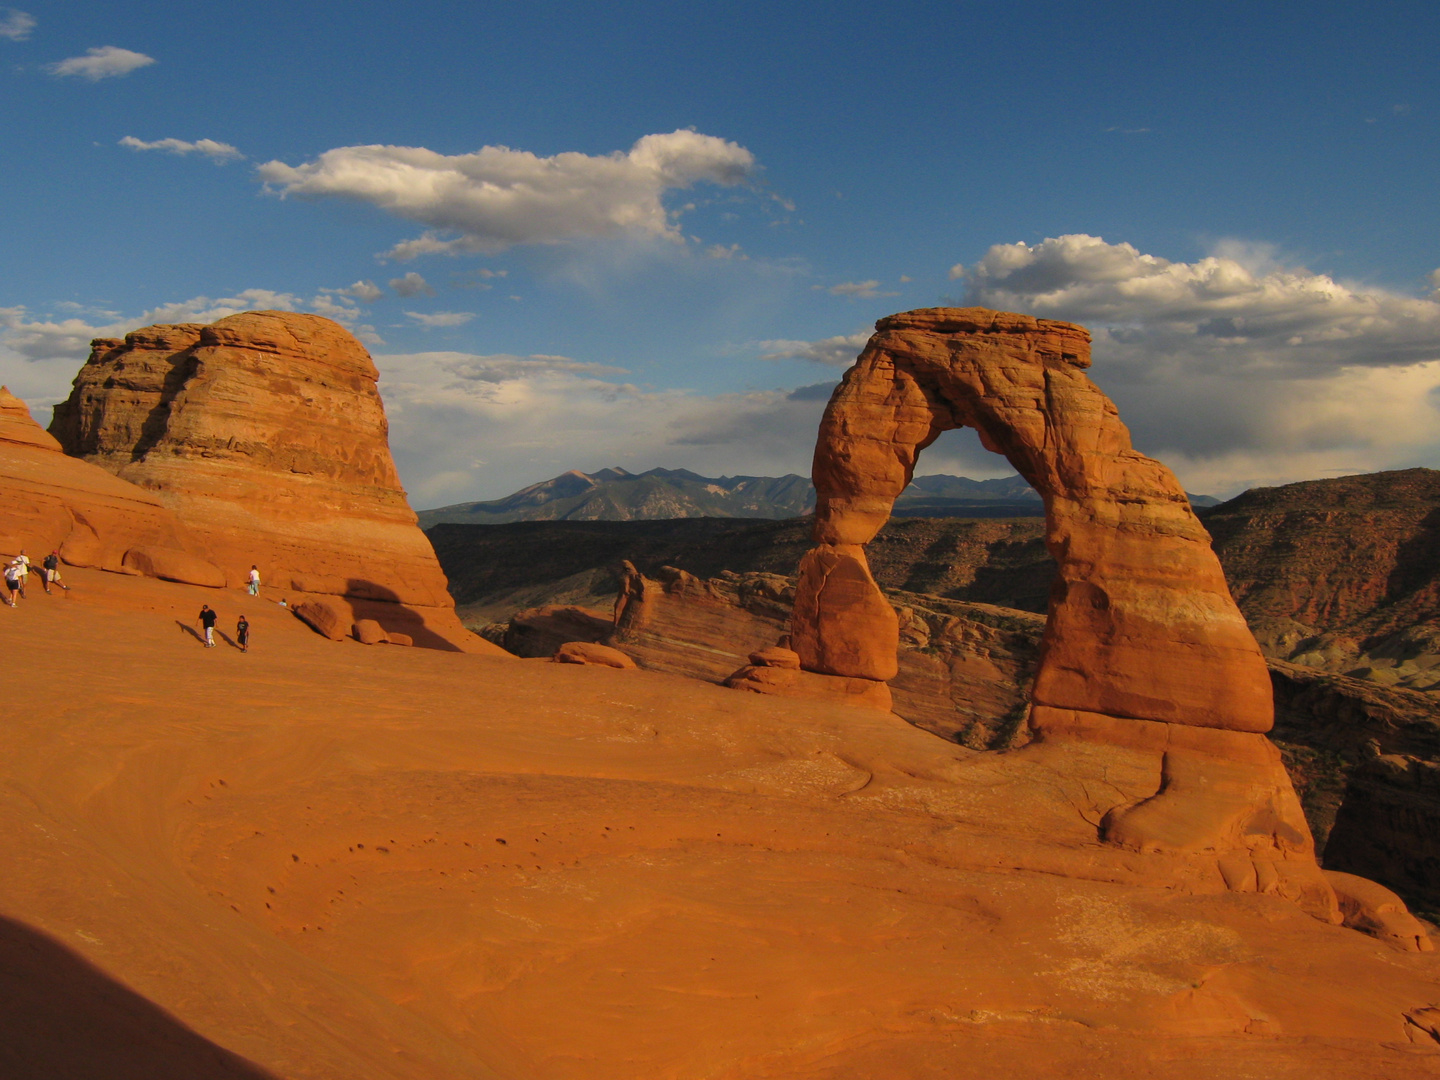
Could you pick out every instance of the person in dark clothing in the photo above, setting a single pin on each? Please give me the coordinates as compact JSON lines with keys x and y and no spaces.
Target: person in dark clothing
{"x":207,"y":620}
{"x":52,"y":571}
{"x":242,"y":634}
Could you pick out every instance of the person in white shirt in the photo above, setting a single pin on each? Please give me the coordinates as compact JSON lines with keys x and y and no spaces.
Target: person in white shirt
{"x":253,"y":581}
{"x":12,"y":582}
{"x":22,"y":565}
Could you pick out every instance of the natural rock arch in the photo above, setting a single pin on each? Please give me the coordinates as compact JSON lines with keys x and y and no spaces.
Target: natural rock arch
{"x":1143,"y":648}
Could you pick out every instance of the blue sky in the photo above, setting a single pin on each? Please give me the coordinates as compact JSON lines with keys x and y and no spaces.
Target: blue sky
{"x":579,"y":235}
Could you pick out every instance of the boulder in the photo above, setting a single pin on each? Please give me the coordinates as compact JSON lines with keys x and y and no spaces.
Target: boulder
{"x":370,"y":632}
{"x":171,"y":565}
{"x":588,"y":652}
{"x":775,"y":656}
{"x":399,"y":639}
{"x":792,"y":682}
{"x":265,"y":434}
{"x":325,"y":616}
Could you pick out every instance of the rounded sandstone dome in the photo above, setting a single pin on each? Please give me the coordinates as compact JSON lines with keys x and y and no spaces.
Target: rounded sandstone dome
{"x":312,"y":338}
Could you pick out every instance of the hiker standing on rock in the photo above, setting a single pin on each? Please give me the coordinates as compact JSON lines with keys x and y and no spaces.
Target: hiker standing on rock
{"x":52,"y":572}
{"x":207,"y":620}
{"x":12,"y":583}
{"x":242,"y":634}
{"x":22,"y":566}
{"x":253,"y":581}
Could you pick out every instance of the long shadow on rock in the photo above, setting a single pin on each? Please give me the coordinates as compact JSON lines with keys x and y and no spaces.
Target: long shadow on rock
{"x":371,"y":600}
{"x":158,"y":419}
{"x":63,"y":1019}
{"x":187,"y":628}
{"x":1417,"y":560}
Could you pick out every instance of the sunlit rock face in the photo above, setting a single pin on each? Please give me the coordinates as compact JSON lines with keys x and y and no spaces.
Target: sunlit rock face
{"x":265,"y":433}
{"x":1143,"y":646}
{"x":53,"y":502}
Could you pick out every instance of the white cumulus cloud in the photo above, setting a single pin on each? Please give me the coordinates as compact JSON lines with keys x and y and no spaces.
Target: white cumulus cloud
{"x":105,"y":62}
{"x":496,"y":197}
{"x":367,"y":292}
{"x":471,"y":427}
{"x":1236,"y":368}
{"x":412,"y":284}
{"x":839,"y":351}
{"x":433,"y":319}
{"x":858,"y":290}
{"x":218,"y":152}
{"x":16,"y":25}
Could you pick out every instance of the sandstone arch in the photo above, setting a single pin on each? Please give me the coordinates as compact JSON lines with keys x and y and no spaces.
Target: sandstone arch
{"x":1144,"y":647}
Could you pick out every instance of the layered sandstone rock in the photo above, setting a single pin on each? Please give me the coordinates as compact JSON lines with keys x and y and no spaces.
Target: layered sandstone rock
{"x":1143,"y":648}
{"x":92,"y":518}
{"x":265,"y":433}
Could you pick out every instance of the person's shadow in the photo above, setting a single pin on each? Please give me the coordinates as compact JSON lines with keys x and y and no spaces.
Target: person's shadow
{"x":191,"y":631}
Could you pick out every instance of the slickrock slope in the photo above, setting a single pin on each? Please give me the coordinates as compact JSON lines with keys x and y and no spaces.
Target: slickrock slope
{"x":321,"y":860}
{"x":55,"y":502}
{"x":965,"y":671}
{"x":265,"y":434}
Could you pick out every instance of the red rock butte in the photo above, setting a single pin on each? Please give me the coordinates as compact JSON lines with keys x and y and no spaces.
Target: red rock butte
{"x":265,"y":434}
{"x":1143,"y":647}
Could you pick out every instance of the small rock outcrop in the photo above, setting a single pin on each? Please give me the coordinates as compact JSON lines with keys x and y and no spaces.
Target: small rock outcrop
{"x":1144,"y":649}
{"x":54,"y":502}
{"x":265,"y":434}
{"x":588,"y":652}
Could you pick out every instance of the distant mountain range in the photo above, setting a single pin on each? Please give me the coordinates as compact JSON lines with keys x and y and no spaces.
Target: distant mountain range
{"x":618,"y":495}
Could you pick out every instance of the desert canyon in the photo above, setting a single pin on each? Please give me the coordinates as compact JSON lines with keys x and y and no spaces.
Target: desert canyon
{"x":1078,"y":855}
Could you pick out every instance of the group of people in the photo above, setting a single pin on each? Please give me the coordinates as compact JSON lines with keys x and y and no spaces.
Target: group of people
{"x":17,"y":576}
{"x":208,"y":617}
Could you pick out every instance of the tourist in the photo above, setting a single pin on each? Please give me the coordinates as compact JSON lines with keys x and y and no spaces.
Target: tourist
{"x":253,"y":581}
{"x":52,"y":571}
{"x":207,"y":620}
{"x":12,"y":582}
{"x":242,"y":634}
{"x":22,"y":564}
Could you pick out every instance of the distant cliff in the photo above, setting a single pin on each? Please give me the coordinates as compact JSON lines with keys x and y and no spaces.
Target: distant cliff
{"x":1341,"y":575}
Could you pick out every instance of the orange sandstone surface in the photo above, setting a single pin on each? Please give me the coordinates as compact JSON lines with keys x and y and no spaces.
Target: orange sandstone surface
{"x":56,"y":502}
{"x":266,"y":436}
{"x":327,"y":859}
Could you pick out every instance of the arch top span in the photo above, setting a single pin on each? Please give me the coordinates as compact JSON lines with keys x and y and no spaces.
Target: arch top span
{"x":1141,"y":623}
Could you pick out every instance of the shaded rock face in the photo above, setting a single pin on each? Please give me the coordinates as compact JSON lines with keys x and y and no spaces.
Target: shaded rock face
{"x":964,"y":669}
{"x":53,"y":502}
{"x":265,"y":433}
{"x":1143,"y":646}
{"x":1342,"y":575}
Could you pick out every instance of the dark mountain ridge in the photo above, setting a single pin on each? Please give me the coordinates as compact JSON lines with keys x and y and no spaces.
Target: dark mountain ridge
{"x":618,"y":495}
